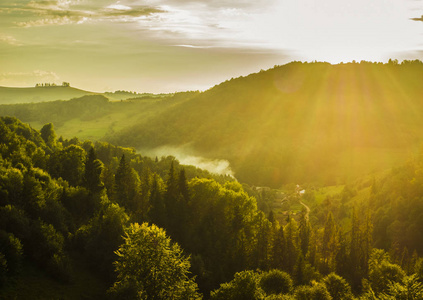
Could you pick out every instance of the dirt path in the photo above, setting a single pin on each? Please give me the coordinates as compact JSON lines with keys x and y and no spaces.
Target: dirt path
{"x":307,"y":209}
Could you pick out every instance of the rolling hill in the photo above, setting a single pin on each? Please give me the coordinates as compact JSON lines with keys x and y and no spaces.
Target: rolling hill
{"x":15,"y":95}
{"x":301,"y":122}
{"x":10,"y":95}
{"x":296,"y":123}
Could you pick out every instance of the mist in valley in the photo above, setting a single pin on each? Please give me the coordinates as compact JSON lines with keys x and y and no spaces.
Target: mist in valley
{"x":186,"y":156}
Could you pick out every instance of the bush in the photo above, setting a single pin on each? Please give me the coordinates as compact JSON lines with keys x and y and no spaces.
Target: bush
{"x":279,"y":297}
{"x":316,"y":292}
{"x":337,"y":287}
{"x":245,"y":285}
{"x":276,"y":282}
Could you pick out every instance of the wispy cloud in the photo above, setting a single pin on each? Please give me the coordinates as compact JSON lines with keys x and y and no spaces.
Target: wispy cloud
{"x":186,"y":23}
{"x":10,"y":40}
{"x":63,"y":12}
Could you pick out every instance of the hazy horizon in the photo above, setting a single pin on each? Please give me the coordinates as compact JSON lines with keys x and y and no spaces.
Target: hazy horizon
{"x":167,"y":46}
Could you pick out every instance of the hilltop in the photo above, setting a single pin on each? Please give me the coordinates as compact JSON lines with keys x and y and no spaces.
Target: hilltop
{"x":11,"y":95}
{"x":300,"y":122}
{"x":42,"y":93}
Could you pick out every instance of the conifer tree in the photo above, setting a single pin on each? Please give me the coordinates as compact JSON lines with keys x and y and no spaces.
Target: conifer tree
{"x":158,"y":210}
{"x":93,"y":169}
{"x":126,"y":181}
{"x":291,"y":235}
{"x":329,"y":245}
{"x":304,"y":232}
{"x":355,"y":252}
{"x":278,"y":257}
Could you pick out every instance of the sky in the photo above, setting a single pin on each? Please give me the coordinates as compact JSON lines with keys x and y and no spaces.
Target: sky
{"x":163,"y":46}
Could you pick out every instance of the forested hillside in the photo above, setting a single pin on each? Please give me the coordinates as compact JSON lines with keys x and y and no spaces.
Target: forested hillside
{"x":78,"y":214}
{"x":296,"y":123}
{"x":93,"y":116}
{"x":301,"y":122}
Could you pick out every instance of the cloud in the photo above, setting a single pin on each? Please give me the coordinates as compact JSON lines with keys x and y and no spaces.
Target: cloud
{"x":63,"y":12}
{"x":134,"y":12}
{"x":216,"y":4}
{"x":195,"y":47}
{"x":186,"y":23}
{"x":10,"y":40}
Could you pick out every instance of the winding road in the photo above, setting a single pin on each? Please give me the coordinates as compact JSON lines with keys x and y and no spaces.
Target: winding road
{"x":306,"y":207}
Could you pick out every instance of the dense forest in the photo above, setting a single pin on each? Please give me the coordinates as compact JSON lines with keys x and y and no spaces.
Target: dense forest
{"x":93,"y":117}
{"x":300,"y":122}
{"x":81,"y":214}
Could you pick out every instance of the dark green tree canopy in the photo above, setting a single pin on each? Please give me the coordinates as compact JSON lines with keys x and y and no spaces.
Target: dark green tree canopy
{"x":150,"y":266}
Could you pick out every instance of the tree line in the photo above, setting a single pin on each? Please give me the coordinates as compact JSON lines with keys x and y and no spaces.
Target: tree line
{"x":152,"y":229}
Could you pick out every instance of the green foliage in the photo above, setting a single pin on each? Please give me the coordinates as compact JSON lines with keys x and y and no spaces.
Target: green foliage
{"x":280,"y":297}
{"x":68,"y":164}
{"x":276,"y":282}
{"x":150,"y":266}
{"x":127,"y":181}
{"x":233,"y":121}
{"x":93,"y":169}
{"x":408,"y":288}
{"x":102,"y":236}
{"x":317,"y":291}
{"x":337,"y":287}
{"x":15,"y":221}
{"x":11,"y":248}
{"x":48,"y":135}
{"x":55,"y":211}
{"x":418,"y":269}
{"x":245,"y":285}
{"x":382,"y":272}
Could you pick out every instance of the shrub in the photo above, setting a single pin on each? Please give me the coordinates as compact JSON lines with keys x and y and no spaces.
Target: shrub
{"x":276,"y":282}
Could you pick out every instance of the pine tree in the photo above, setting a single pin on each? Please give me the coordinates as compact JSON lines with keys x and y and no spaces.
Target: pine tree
{"x":279,"y":250}
{"x":355,"y":252}
{"x":329,"y":245}
{"x":291,"y":235}
{"x":304,"y":232}
{"x":93,"y":169}
{"x":183,"y":186}
{"x":126,"y":181}
{"x":158,"y":210}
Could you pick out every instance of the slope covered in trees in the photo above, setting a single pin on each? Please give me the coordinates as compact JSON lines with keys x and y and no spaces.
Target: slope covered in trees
{"x":301,"y":122}
{"x":93,"y":116}
{"x":69,"y":207}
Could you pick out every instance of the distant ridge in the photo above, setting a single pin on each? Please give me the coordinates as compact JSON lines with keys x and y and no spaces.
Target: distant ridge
{"x":14,"y":95}
{"x":300,"y":122}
